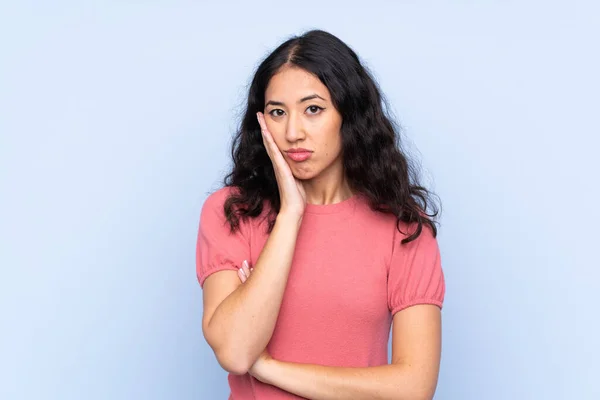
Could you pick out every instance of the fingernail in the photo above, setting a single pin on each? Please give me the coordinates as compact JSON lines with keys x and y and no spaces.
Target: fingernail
{"x":245,"y":263}
{"x":241,"y":271}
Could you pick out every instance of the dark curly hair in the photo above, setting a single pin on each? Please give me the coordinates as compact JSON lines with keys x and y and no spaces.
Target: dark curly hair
{"x":374,"y":163}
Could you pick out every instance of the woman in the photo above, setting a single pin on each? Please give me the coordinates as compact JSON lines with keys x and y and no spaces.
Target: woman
{"x":320,"y":239}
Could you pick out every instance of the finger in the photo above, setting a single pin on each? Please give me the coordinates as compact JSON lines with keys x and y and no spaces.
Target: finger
{"x":246,"y":268}
{"x":261,"y":121}
{"x":242,"y":275}
{"x":263,"y":130}
{"x":272,"y":149}
{"x":268,"y":141}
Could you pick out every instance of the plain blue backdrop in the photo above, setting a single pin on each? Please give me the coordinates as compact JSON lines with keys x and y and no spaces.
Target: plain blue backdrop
{"x":115,"y":123}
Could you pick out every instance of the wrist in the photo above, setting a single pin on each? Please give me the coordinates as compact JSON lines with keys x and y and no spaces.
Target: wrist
{"x":266,"y":371}
{"x":289,"y":218}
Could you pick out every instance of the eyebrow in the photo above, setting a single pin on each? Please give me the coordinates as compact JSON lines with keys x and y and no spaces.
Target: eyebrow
{"x":302,"y":100}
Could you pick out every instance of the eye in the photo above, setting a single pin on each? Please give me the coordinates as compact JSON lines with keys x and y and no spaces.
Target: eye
{"x":276,"y":112}
{"x":314,"y":109}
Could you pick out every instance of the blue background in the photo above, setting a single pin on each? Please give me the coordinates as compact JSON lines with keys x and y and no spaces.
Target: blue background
{"x":115,"y":123}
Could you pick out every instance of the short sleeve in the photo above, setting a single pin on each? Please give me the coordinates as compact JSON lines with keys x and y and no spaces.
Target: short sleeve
{"x":415,"y":272}
{"x":217,"y":248}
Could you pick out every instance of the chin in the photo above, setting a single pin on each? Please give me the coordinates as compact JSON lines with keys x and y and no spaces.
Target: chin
{"x":304,"y":175}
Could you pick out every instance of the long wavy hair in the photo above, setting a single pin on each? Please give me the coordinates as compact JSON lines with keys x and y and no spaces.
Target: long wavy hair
{"x":374,"y":163}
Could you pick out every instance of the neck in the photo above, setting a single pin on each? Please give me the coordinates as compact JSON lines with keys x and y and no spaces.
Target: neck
{"x":327,"y":188}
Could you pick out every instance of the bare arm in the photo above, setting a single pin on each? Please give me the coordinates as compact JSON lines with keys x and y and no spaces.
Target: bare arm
{"x":239,"y":319}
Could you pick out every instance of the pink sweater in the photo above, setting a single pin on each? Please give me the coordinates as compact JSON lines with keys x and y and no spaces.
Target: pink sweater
{"x":349,"y":275}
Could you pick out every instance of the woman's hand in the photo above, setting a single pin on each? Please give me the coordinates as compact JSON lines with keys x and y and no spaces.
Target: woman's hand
{"x":291,"y":190}
{"x":244,"y":272}
{"x":258,"y":369}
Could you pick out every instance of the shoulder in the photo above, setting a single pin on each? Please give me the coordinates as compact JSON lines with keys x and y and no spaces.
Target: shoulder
{"x":217,"y":198}
{"x":213,"y":208}
{"x":212,"y":214}
{"x":384,"y":223}
{"x":407,"y":229}
{"x":215,"y":201}
{"x":424,"y":245}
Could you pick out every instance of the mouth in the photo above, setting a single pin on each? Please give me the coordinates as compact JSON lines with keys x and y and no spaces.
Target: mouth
{"x":299,"y":155}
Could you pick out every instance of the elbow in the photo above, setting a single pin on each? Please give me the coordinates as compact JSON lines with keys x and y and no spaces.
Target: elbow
{"x":233,"y":363}
{"x":230,"y":359}
{"x":234,"y":367}
{"x":425,"y":394}
{"x":417,"y":391}
{"x":413,"y":395}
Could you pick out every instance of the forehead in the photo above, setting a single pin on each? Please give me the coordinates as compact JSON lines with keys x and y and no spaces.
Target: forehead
{"x":292,"y":83}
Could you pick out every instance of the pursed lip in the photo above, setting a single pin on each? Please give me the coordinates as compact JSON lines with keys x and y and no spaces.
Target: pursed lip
{"x":298,"y":155}
{"x":298,"y":151}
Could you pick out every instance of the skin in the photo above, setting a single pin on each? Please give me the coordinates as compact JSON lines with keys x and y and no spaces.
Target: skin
{"x":299,"y":113}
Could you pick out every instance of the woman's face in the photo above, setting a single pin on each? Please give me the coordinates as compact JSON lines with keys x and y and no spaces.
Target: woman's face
{"x":300,"y":115}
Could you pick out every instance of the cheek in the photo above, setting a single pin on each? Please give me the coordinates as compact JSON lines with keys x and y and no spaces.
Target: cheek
{"x":331,"y":141}
{"x":333,"y":145}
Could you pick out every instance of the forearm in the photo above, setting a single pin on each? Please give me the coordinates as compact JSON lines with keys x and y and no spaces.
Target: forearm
{"x":243,"y":323}
{"x":395,"y":381}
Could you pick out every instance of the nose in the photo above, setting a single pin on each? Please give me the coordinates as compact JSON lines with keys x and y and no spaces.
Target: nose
{"x":295,"y":128}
